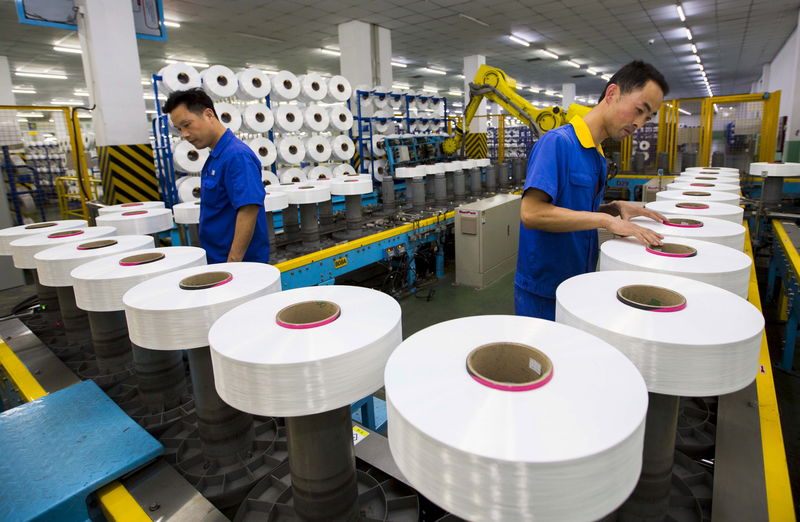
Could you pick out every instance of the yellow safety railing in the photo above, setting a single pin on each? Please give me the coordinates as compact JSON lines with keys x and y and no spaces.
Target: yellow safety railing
{"x":66,"y":195}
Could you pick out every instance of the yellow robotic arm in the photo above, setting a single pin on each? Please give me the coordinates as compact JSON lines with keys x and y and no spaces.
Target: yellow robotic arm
{"x":494,"y":85}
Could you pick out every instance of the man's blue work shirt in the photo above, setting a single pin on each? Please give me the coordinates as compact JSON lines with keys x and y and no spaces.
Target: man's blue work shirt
{"x":231,"y":179}
{"x":567,"y":165}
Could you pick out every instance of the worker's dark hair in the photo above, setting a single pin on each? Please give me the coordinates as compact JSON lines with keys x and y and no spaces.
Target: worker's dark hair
{"x":634,"y":76}
{"x":196,"y":100}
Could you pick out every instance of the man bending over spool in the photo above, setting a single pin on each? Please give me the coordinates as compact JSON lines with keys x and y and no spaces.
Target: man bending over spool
{"x":233,"y":224}
{"x":562,"y":199}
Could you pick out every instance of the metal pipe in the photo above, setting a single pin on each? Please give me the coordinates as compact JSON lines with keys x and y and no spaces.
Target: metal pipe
{"x":353,"y":213}
{"x":502,"y":175}
{"x":326,"y":215}
{"x":475,"y":182}
{"x":650,"y":500}
{"x":440,"y":190}
{"x":112,"y":347}
{"x":491,"y":179}
{"x":194,"y":236}
{"x":75,"y":320}
{"x":387,"y":196}
{"x":417,"y":193}
{"x":771,"y":191}
{"x":323,"y":467}
{"x":430,"y":189}
{"x":448,"y":176}
{"x":160,"y":378}
{"x":226,"y":434}
{"x":291,"y":222}
{"x":518,"y":171}
{"x":459,"y":186}
{"x":309,"y":228}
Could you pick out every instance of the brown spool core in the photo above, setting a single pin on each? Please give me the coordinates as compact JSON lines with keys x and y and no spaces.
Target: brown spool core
{"x":197,"y":203}
{"x":260,"y":117}
{"x":305,"y":187}
{"x":183,"y":77}
{"x":196,"y":192}
{"x":256,"y":82}
{"x":205,"y":280}
{"x":315,"y":86}
{"x":294,"y":180}
{"x":292,"y":149}
{"x":288,"y":184}
{"x":696,"y":193}
{"x":193,"y":155}
{"x":266,"y":182}
{"x":691,"y":205}
{"x":64,"y":233}
{"x":103,"y":243}
{"x":685,"y":222}
{"x":674,"y":248}
{"x":226,"y":117}
{"x":703,"y":184}
{"x":706,"y":177}
{"x":287,"y":84}
{"x":308,"y":313}
{"x":290,"y":117}
{"x":340,"y":87}
{"x":40,"y":225}
{"x":142,"y":259}
{"x":509,"y":364}
{"x":323,"y":176}
{"x":320,"y":147}
{"x":342,"y":118}
{"x":222,"y":80}
{"x":317,"y":117}
{"x":648,"y":297}
{"x":345,"y":147}
{"x":262,"y":151}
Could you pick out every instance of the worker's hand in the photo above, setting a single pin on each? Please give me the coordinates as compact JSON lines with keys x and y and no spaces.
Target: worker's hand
{"x":623,"y":227}
{"x":629,"y":209}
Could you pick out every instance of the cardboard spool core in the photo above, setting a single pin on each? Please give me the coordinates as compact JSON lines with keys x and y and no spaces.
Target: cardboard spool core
{"x":226,"y":117}
{"x":509,"y":366}
{"x":703,"y":185}
{"x":673,"y":249}
{"x":64,"y":233}
{"x":308,"y":314}
{"x":305,"y":187}
{"x":292,"y":149}
{"x":320,"y":147}
{"x":287,"y":84}
{"x":290,"y":117}
{"x":260,"y":117}
{"x":183,"y":77}
{"x":196,"y":192}
{"x":345,"y":146}
{"x":683,"y":222}
{"x":648,"y":297}
{"x":315,"y":86}
{"x":40,"y":225}
{"x":692,"y":205}
{"x":193,"y":155}
{"x":197,"y":203}
{"x":340,"y":87}
{"x":256,"y":82}
{"x":317,"y":117}
{"x":262,"y":151}
{"x":222,"y":80}
{"x":103,"y":243}
{"x":141,"y":259}
{"x":696,"y":193}
{"x":706,"y":177}
{"x":205,"y":280}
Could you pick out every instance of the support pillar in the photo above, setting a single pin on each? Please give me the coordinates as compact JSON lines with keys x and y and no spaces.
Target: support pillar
{"x":476,"y":141}
{"x":568,"y":91}
{"x":366,"y":53}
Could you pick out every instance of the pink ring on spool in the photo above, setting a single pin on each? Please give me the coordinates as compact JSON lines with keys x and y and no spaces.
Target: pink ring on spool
{"x":702,"y":184}
{"x":205,"y":280}
{"x":134,"y":213}
{"x":683,"y":223}
{"x":672,"y":250}
{"x":131,"y":205}
{"x":66,"y":233}
{"x":308,"y":314}
{"x":507,"y":366}
{"x":651,"y":298}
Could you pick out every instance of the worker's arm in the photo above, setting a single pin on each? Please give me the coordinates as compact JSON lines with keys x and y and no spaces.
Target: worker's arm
{"x":246,"y":218}
{"x":629,"y":209}
{"x":537,"y":212}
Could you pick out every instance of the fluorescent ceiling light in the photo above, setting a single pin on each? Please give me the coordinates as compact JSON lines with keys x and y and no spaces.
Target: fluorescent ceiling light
{"x":460,"y":76}
{"x":592,"y":72}
{"x":432,"y":90}
{"x":150,"y":96}
{"x":696,"y":58}
{"x":399,"y":64}
{"x":30,"y":115}
{"x":62,"y":49}
{"x":18,"y":90}
{"x":434,"y":71}
{"x":533,"y":89}
{"x":145,"y":81}
{"x":65,"y":102}
{"x":572,"y":64}
{"x":688,"y":33}
{"x":22,"y":120}
{"x":548,"y":53}
{"x":519,"y":40}
{"x":455,"y":92}
{"x":332,"y":52}
{"x":457,"y":104}
{"x":150,"y":111}
{"x":700,"y":66}
{"x":606,"y":77}
{"x":83,"y":94}
{"x":684,"y":112}
{"x":694,"y":48}
{"x":681,"y":14}
{"x":187,"y":62}
{"x":473,"y":19}
{"x":170,"y":23}
{"x":41,"y":75}
{"x":84,"y":115}
{"x":260,"y":37}
{"x":401,"y":86}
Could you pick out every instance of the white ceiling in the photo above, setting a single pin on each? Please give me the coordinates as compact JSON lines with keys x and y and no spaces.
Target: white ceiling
{"x":734,"y":38}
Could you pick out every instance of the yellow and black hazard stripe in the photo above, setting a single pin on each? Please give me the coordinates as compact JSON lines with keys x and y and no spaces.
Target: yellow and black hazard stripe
{"x":476,"y":145}
{"x":356,"y":160}
{"x":129,"y":173}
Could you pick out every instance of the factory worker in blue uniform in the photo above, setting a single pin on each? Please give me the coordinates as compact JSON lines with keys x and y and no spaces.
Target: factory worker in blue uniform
{"x":562,"y":204}
{"x":233,"y":224}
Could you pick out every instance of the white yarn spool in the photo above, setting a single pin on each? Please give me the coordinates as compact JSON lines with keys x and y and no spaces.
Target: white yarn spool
{"x":316,"y":118}
{"x":229,"y":116}
{"x":316,"y":337}
{"x":24,"y":248}
{"x":189,"y":189}
{"x":396,"y":101}
{"x":343,"y":169}
{"x":705,"y":185}
{"x":189,"y":159}
{"x":350,"y":187}
{"x":99,"y":285}
{"x":304,"y":194}
{"x":381,"y":126}
{"x":711,"y":263}
{"x":700,"y":196}
{"x":257,"y":118}
{"x":291,"y":150}
{"x":380,"y":96}
{"x":291,"y":175}
{"x":708,"y":345}
{"x":219,"y":82}
{"x":343,"y":148}
{"x":340,"y":118}
{"x":318,"y":149}
{"x":163,"y":314}
{"x":694,"y":177}
{"x":124,"y":207}
{"x":55,"y":264}
{"x":268,"y":178}
{"x":275,"y":201}
{"x":377,"y":168}
{"x":378,"y":145}
{"x":149,"y":221}
{"x":363,"y":93}
{"x":288,"y":118}
{"x":253,"y":84}
{"x":7,"y":235}
{"x":695,"y":227}
{"x":178,"y":77}
{"x":285,"y":86}
{"x":774,"y":170}
{"x":732,"y":213}
{"x":265,"y":150}
{"x":187,"y":213}
{"x":713,"y":169}
{"x":319,"y":172}
{"x":339,"y":89}
{"x":460,"y":442}
{"x":313,"y":88}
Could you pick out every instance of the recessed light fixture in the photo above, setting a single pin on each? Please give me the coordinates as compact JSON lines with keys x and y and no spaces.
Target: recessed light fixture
{"x":401,"y":86}
{"x":432,"y":90}
{"x":694,"y":48}
{"x":549,"y":53}
{"x":592,"y":71}
{"x":399,"y":64}
{"x":56,"y":101}
{"x":62,"y":49}
{"x":434,"y":71}
{"x":606,"y":77}
{"x":50,"y":76}
{"x":681,"y":14}
{"x":21,"y":90}
{"x":82,"y":94}
{"x":30,"y":115}
{"x":170,"y":23}
{"x":517,"y":39}
{"x":572,"y":64}
{"x":696,"y":58}
{"x":473,"y":19}
{"x":187,"y":62}
{"x":260,"y":37}
{"x":684,"y":112}
{"x":533,"y":89}
{"x":332,"y":52}
{"x":688,"y":33}
{"x":460,"y":76}
{"x":455,"y":92}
